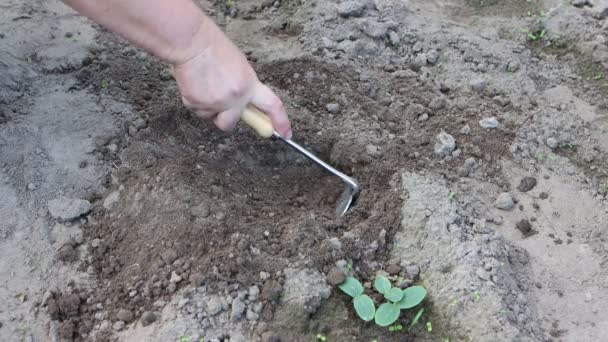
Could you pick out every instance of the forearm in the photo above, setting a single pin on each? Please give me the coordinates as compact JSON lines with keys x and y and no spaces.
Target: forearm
{"x":168,"y":29}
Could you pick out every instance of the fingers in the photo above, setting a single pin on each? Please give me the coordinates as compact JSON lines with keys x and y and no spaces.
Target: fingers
{"x":268,"y":102}
{"x":227,"y":120}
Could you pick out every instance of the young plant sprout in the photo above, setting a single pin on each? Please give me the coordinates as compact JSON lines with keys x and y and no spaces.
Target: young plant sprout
{"x":387,"y":313}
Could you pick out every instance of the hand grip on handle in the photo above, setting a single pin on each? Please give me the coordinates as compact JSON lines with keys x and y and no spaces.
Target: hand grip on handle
{"x":258,"y":120}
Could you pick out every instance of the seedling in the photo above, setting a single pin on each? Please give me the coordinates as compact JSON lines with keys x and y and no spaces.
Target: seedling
{"x":321,"y":337}
{"x":387,"y":313}
{"x":184,"y":339}
{"x":476,"y":295}
{"x":598,"y":77}
{"x":451,"y":195}
{"x":395,"y":328}
{"x":104,"y":85}
{"x":429,"y":326}
{"x":416,"y":319}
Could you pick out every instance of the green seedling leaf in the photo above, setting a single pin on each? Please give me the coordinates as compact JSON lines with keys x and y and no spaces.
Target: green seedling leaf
{"x":542,"y":13}
{"x":416,"y":319}
{"x":365,"y":308}
{"x":542,"y":33}
{"x":412,"y":296}
{"x":382,"y":284}
{"x":531,"y":37}
{"x":394,"y":295}
{"x":387,"y":314}
{"x":351,"y":287}
{"x":429,"y":326}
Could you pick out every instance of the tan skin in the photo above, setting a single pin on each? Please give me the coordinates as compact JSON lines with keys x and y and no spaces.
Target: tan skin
{"x":213,"y":75}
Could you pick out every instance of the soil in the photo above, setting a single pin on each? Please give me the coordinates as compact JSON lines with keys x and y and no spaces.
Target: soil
{"x":196,"y":233}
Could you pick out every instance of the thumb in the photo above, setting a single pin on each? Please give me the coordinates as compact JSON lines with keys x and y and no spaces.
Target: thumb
{"x":268,"y":102}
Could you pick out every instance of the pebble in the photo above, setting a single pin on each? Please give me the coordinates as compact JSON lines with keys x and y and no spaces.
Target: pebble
{"x":182,"y":302}
{"x":169,"y":256}
{"x":351,"y":8}
{"x":488,"y":122}
{"x":335,"y":276}
{"x":67,"y":209}
{"x":552,"y":143}
{"x":124,"y":315}
{"x":253,"y":294}
{"x":393,"y":269}
{"x":251,"y":315}
{"x":445,"y":144}
{"x":580,"y":3}
{"x":196,"y":279}
{"x":374,"y":29}
{"x":478,"y":85}
{"x":513,"y":66}
{"x":373,"y":150}
{"x":333,"y":108}
{"x":82,"y":164}
{"x":526,"y":184}
{"x":419,"y":61}
{"x":424,"y":117}
{"x":175,"y":278}
{"x":432,"y":56}
{"x":238,"y":309}
{"x":214,"y":306}
{"x":524,"y":226}
{"x":412,"y":271}
{"x":504,"y":201}
{"x":148,"y":318}
{"x":394,"y":38}
{"x":264,"y":276}
{"x":465,"y":130}
{"x":543,"y":195}
{"x":438,"y":103}
{"x":118,"y":326}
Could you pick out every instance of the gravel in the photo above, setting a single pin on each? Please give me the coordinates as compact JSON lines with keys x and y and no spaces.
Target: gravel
{"x":445,"y":144}
{"x":504,"y":201}
{"x":335,"y":276}
{"x":169,"y":256}
{"x":465,"y":130}
{"x":478,"y":85}
{"x":238,"y":309}
{"x":351,"y":8}
{"x":432,"y":56}
{"x":526,"y":184}
{"x":214,"y":306}
{"x":67,"y":209}
{"x":118,"y":326}
{"x":552,"y":143}
{"x":148,"y":318}
{"x":124,"y":315}
{"x":488,"y":122}
{"x":333,"y":108}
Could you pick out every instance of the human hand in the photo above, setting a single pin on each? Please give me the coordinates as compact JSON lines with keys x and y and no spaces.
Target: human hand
{"x":217,"y":82}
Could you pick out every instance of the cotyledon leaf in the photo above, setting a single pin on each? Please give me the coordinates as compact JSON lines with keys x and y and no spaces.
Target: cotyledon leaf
{"x":351,"y":287}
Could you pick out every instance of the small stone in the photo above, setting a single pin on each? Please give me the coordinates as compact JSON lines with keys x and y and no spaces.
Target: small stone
{"x":124,"y":315}
{"x":147,"y":318}
{"x":333,"y":108}
{"x":394,"y":38}
{"x":335,"y":276}
{"x":251,"y":315}
{"x":445,"y":144}
{"x":498,"y":220}
{"x":524,"y":226}
{"x":393,"y":269}
{"x":82,"y":164}
{"x":374,"y":29}
{"x":513,"y":66}
{"x":238,"y":309}
{"x":466,"y":130}
{"x":31,"y":186}
{"x":412,"y":271}
{"x":118,"y":326}
{"x":175,"y":278}
{"x":580,"y":3}
{"x":552,"y":143}
{"x":423,"y":117}
{"x":196,"y":279}
{"x":214,"y":306}
{"x":264,"y":276}
{"x":183,"y":302}
{"x":201,"y":210}
{"x":432,"y":56}
{"x":373,"y":151}
{"x":543,"y":195}
{"x":95,"y":243}
{"x":169,"y":256}
{"x":140,"y":123}
{"x":488,"y":122}
{"x":504,"y":201}
{"x":352,"y":8}
{"x":67,"y":209}
{"x":253,"y":294}
{"x":418,"y":62}
{"x":438,"y":103}
{"x":526,"y":184}
{"x":478,"y":85}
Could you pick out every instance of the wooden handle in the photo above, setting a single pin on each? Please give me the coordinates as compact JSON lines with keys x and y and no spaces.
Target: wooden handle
{"x":258,"y":120}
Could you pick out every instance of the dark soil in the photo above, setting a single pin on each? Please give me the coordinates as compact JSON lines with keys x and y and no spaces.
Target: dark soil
{"x":216,"y":207}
